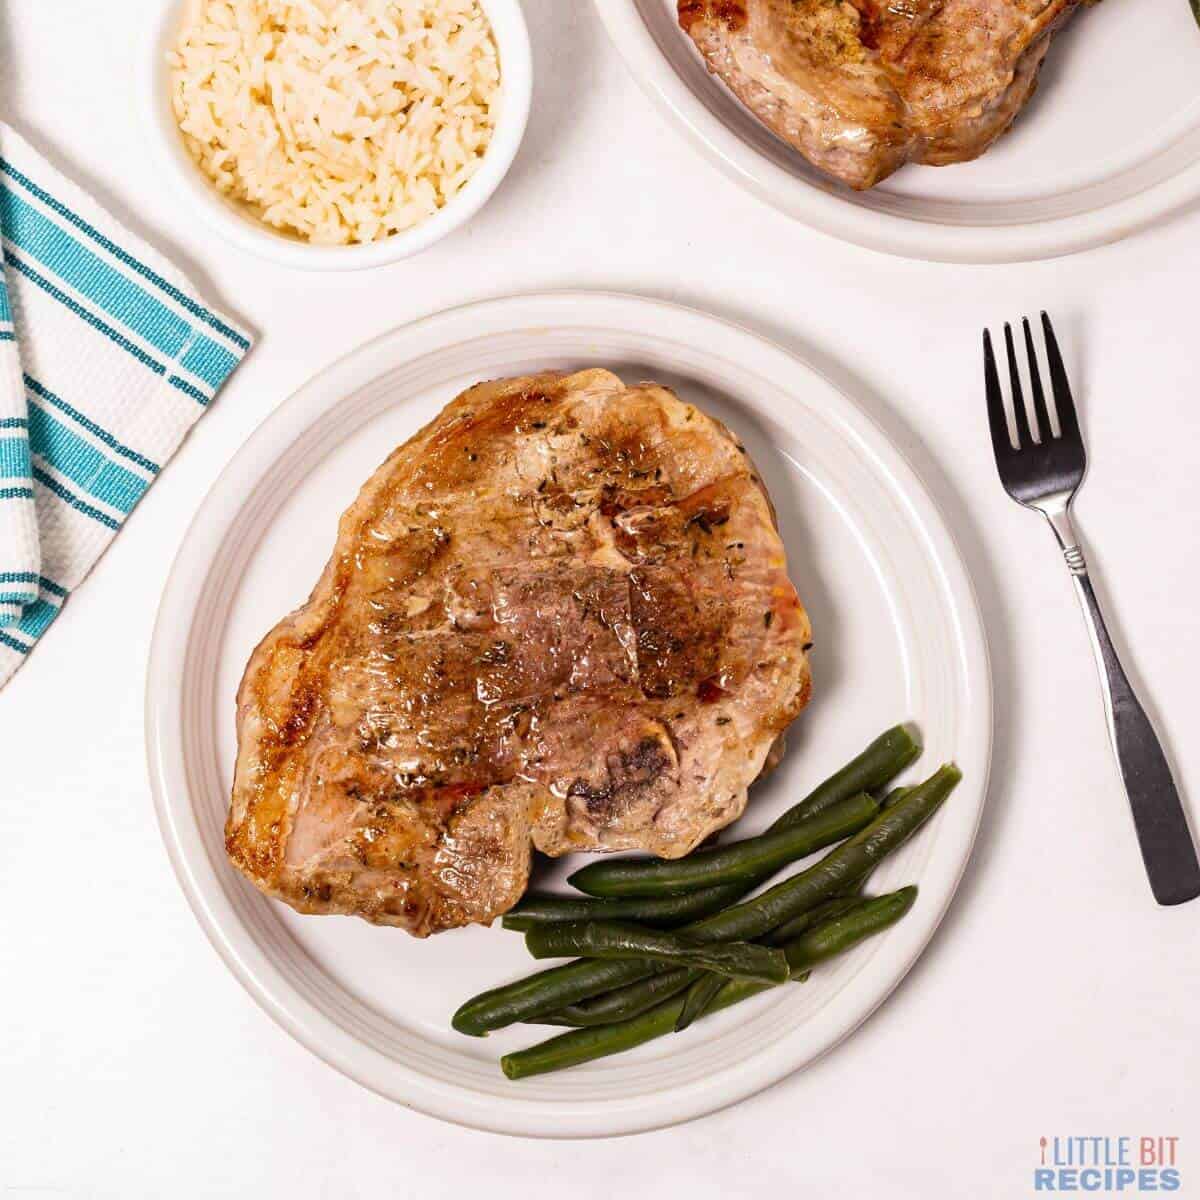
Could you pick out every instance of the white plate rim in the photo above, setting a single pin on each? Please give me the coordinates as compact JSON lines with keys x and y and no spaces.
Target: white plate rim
{"x":888,"y":233}
{"x":172,"y":631}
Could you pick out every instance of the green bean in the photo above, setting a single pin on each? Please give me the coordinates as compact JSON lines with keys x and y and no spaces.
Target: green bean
{"x":548,"y":991}
{"x":790,"y":930}
{"x":544,"y":993}
{"x":661,"y":911}
{"x":584,"y":1045}
{"x":839,"y":869}
{"x":625,"y":1002}
{"x":875,"y":767}
{"x":698,"y":999}
{"x":701,"y":994}
{"x":625,"y":940}
{"x":830,"y":938}
{"x":633,"y":998}
{"x":894,"y":797}
{"x":747,"y":861}
{"x":823,"y":942}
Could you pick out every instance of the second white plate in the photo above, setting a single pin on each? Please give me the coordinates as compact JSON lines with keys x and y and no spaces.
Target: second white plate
{"x":898,"y":637}
{"x":1086,"y":163}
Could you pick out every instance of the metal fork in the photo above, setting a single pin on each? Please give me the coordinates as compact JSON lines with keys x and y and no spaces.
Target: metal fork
{"x":1043,"y":471}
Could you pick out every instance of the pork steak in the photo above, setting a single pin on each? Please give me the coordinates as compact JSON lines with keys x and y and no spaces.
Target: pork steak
{"x":559,"y":616}
{"x":861,"y":87}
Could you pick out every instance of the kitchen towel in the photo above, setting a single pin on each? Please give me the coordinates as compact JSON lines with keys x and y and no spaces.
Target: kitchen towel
{"x":107,"y":358}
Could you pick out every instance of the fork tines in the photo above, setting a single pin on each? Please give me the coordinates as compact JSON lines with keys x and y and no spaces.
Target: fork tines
{"x":1042,"y":429}
{"x":1040,"y":460}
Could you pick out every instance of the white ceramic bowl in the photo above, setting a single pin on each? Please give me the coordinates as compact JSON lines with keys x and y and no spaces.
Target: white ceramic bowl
{"x":240,"y":226}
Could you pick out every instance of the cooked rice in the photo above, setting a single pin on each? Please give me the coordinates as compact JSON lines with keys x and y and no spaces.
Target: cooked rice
{"x":337,"y":120}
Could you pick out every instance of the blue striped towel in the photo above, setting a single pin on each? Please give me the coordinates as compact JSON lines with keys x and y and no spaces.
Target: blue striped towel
{"x":107,"y":359}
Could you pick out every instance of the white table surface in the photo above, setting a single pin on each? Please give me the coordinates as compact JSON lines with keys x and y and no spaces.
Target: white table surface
{"x":1055,"y":999}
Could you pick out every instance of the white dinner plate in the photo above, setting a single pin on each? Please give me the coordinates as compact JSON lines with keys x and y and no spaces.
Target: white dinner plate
{"x":1109,"y":143}
{"x":898,"y":637}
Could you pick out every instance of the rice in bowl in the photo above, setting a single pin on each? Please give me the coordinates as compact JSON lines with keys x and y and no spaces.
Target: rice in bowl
{"x":336,"y":121}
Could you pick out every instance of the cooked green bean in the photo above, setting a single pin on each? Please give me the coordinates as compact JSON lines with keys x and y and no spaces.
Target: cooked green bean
{"x":698,"y":999}
{"x":625,"y":940}
{"x":823,"y":942}
{"x":663,"y":912}
{"x":634,"y":998}
{"x":703,"y":991}
{"x":548,"y":991}
{"x":584,"y":1045}
{"x":747,"y":862}
{"x":544,"y":993}
{"x":874,"y":768}
{"x":790,"y":930}
{"x":893,"y":797}
{"x":624,"y":1002}
{"x":839,"y":934}
{"x":841,"y":868}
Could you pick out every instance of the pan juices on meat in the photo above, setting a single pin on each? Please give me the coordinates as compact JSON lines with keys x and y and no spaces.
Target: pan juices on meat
{"x":557,"y":617}
{"x":861,"y":87}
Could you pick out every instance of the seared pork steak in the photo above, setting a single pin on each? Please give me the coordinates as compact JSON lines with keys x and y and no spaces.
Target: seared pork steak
{"x":558,"y":616}
{"x":861,"y":87}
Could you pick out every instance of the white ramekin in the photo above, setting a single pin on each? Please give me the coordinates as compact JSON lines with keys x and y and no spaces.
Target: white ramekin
{"x":242,"y":229}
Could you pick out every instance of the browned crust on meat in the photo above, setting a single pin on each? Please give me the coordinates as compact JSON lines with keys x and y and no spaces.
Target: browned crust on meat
{"x":730,"y":13}
{"x":559,"y":616}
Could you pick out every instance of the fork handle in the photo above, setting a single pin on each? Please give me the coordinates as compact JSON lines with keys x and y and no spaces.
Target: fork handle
{"x":1158,"y":816}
